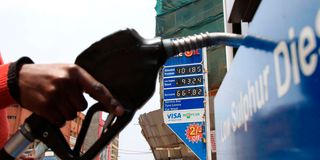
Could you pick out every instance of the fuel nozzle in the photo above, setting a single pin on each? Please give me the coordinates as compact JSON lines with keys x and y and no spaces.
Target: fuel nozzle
{"x":178,"y":45}
{"x":127,"y":64}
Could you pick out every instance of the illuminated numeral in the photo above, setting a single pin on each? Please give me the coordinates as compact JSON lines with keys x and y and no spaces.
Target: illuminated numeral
{"x":199,"y":91}
{"x":199,"y":80}
{"x":182,"y":71}
{"x":199,"y":69}
{"x":178,"y":93}
{"x":189,"y":81}
{"x":194,"y":92}
{"x":183,"y":93}
{"x":193,"y":69}
{"x":194,"y":80}
{"x":177,"y":82}
{"x":183,"y":81}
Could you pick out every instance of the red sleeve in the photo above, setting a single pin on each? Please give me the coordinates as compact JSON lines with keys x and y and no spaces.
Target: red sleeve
{"x":1,"y":61}
{"x":5,"y":97}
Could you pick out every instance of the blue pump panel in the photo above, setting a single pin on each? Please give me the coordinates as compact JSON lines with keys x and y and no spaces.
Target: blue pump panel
{"x":268,"y":106}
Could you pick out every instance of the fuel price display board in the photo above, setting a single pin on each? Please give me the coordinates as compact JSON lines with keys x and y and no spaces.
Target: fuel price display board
{"x":183,"y":99}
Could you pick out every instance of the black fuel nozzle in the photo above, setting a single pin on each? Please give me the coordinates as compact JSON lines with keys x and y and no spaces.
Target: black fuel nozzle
{"x":127,"y":64}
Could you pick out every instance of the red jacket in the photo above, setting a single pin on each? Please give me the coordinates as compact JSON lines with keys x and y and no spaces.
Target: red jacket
{"x":5,"y":100}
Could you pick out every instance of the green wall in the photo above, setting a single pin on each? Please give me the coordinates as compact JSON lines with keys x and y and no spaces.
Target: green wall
{"x":177,"y":18}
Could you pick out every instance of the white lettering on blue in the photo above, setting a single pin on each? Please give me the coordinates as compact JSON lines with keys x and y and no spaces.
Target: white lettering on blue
{"x":294,"y":60}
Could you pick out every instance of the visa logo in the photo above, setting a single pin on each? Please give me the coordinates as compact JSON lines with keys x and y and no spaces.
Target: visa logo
{"x":174,"y":115}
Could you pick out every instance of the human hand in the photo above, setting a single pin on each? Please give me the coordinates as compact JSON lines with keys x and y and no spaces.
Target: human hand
{"x":55,"y":91}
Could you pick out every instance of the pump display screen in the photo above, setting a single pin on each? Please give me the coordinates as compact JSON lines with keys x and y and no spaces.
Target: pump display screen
{"x":195,"y":69}
{"x":186,"y":81}
{"x":189,"y":92}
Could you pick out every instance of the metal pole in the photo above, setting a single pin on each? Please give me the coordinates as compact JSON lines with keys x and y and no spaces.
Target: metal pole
{"x":206,"y":104}
{"x":227,"y":29}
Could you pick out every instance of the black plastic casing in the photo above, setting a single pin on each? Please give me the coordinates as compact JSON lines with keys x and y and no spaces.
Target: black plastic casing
{"x":126,"y":64}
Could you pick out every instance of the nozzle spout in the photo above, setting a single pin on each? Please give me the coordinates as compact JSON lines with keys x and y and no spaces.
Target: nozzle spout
{"x":176,"y":46}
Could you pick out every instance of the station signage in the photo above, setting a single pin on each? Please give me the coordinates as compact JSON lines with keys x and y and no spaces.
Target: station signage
{"x":271,"y":110}
{"x":183,"y":99}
